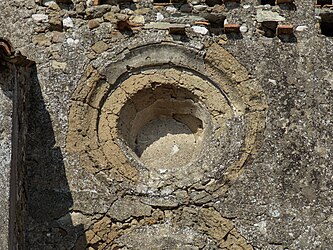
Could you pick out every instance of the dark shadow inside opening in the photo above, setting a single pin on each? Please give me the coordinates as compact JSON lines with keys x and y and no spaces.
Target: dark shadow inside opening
{"x":124,"y":28}
{"x":324,"y":2}
{"x":65,"y":4}
{"x":288,"y":38}
{"x":212,"y":3}
{"x":216,"y":22}
{"x":288,"y":6}
{"x":270,"y":2}
{"x":326,"y":24}
{"x":269,"y":28}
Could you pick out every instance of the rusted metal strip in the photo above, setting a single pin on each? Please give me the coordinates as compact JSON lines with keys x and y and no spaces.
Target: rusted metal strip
{"x":5,"y":47}
{"x":8,"y":54}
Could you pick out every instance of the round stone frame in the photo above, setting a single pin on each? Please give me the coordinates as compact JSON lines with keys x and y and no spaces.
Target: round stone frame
{"x":215,"y":65}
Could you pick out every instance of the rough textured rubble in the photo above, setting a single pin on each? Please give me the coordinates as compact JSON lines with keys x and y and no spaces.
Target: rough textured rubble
{"x":260,"y":176}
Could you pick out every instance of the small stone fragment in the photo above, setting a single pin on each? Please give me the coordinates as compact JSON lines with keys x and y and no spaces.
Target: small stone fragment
{"x":110,"y":17}
{"x":92,"y":24}
{"x":137,"y":19}
{"x":200,"y":30}
{"x":97,"y":11}
{"x":268,"y":16}
{"x":68,"y":22}
{"x":72,"y":42}
{"x":301,"y":28}
{"x":200,"y":7}
{"x":267,"y":7}
{"x":100,"y":47}
{"x":121,"y":17}
{"x":218,"y":9}
{"x":127,"y":11}
{"x":171,"y":9}
{"x":40,"y":18}
{"x":58,"y":37}
{"x":59,"y":65}
{"x":159,"y":17}
{"x":41,"y":40}
{"x":53,"y":5}
{"x":243,"y":29}
{"x":115,"y":9}
{"x":80,"y":8}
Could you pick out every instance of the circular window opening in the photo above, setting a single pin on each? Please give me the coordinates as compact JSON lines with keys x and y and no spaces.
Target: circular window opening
{"x":164,"y":125}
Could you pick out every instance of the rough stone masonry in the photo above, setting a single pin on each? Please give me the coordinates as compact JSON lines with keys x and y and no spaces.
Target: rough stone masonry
{"x":164,"y":124}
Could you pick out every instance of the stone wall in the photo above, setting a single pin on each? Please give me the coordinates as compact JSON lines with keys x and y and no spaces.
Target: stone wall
{"x":237,"y":93}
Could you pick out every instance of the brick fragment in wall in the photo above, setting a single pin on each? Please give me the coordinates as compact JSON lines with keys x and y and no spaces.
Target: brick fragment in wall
{"x":285,"y":29}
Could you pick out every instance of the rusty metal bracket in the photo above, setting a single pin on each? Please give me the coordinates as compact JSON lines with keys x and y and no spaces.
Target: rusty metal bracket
{"x":8,"y":54}
{"x":5,"y":47}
